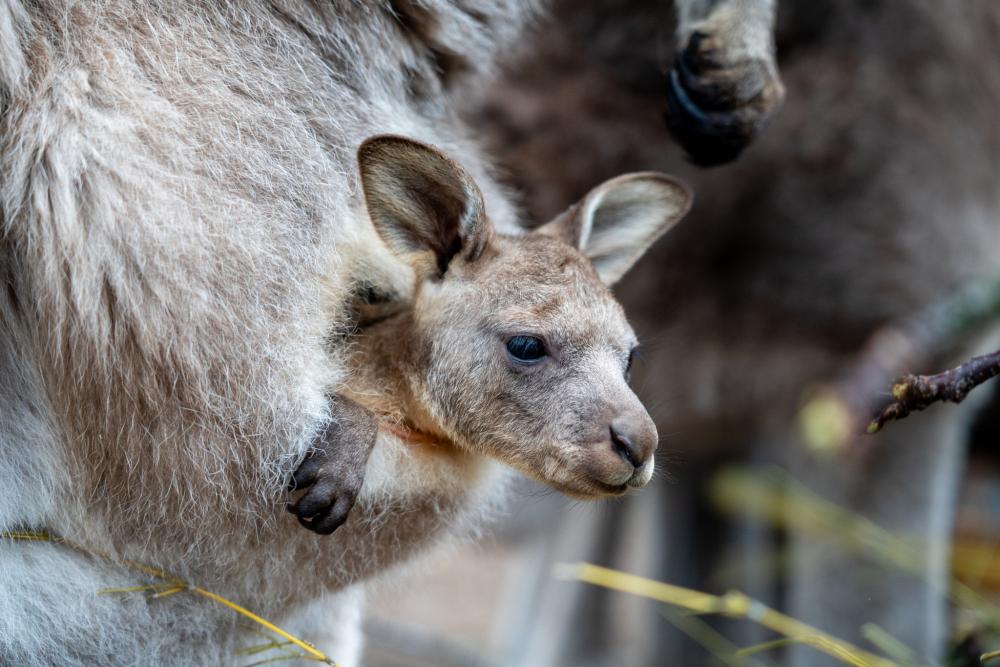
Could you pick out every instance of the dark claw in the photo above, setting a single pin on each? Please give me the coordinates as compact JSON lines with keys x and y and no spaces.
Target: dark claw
{"x":715,"y":110}
{"x":708,"y":138}
{"x":305,"y":474}
{"x":714,"y":88}
{"x":330,"y":492}
{"x":333,"y":517}
{"x":333,"y":471}
{"x":320,"y":497}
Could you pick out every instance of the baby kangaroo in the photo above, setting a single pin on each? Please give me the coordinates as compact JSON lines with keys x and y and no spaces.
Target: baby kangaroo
{"x":511,"y":347}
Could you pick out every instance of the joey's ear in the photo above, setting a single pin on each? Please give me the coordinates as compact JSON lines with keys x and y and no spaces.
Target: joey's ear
{"x":425,"y":207}
{"x":619,"y":219}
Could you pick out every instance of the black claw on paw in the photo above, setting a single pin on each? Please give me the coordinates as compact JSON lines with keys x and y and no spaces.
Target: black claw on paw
{"x":706,"y":137}
{"x":329,"y":495}
{"x":332,"y":473}
{"x":715,"y":110}
{"x":324,"y":508}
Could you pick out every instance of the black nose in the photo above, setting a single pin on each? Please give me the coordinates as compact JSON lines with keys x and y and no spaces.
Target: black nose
{"x":627,"y":449}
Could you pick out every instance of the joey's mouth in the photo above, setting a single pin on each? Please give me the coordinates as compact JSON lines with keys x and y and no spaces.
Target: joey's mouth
{"x":590,"y":489}
{"x":594,"y":488}
{"x":585,"y":480}
{"x":610,"y":489}
{"x":578,"y":479}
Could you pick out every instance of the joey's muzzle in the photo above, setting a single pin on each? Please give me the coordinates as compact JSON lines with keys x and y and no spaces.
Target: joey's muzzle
{"x":624,"y":458}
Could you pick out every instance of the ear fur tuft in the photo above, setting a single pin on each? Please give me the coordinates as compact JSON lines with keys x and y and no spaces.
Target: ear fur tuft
{"x":617,"y":221}
{"x":421,"y":201}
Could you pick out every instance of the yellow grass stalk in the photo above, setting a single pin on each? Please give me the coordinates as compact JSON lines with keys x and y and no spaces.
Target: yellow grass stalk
{"x":173,"y":585}
{"x":733,"y":603}
{"x":709,"y":638}
{"x":777,"y":499}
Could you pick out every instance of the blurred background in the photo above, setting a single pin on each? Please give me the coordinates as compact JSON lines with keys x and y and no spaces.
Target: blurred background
{"x":873,"y":196}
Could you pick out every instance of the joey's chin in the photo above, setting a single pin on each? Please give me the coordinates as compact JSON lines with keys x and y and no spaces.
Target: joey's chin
{"x":608,"y":474}
{"x":588,"y":475}
{"x":587,"y":486}
{"x":590,"y":489}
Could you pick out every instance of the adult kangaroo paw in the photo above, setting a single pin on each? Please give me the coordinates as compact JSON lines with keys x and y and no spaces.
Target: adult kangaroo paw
{"x":718,"y":101}
{"x":333,"y":470}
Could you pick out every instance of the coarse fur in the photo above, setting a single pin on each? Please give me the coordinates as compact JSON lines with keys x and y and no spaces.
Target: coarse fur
{"x":184,"y":241}
{"x":179,"y":208}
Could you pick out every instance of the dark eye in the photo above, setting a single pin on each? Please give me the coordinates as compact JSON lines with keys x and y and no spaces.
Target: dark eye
{"x":526,"y":349}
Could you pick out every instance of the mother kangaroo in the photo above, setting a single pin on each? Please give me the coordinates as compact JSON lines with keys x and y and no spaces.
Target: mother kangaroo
{"x":182,"y":235}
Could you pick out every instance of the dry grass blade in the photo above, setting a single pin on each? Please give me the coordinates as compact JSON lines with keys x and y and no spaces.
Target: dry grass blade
{"x":709,"y":638}
{"x":308,"y":648}
{"x":263,"y":648}
{"x":172,"y":585}
{"x":818,"y":643}
{"x":888,"y":644}
{"x":275,"y":659}
{"x":734,"y":604}
{"x":777,"y":499}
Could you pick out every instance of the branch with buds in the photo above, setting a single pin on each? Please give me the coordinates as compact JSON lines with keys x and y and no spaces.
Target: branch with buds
{"x":913,"y":393}
{"x":843,"y":408}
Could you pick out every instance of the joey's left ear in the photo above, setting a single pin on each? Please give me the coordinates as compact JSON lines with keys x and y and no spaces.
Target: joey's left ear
{"x":426,"y":208}
{"x":619,"y":219}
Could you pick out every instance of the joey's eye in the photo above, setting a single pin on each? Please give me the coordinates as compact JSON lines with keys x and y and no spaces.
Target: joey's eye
{"x":526,"y":349}
{"x":628,"y":366}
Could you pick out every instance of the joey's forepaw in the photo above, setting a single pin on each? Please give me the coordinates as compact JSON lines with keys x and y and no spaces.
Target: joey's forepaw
{"x":328,"y":496}
{"x":332,"y":473}
{"x":716,"y":106}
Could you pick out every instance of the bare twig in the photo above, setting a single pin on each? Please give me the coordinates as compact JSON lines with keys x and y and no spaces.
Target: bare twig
{"x":843,"y":408}
{"x":912,"y":393}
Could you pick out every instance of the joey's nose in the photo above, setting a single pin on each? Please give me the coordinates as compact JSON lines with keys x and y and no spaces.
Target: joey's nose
{"x":634,"y":440}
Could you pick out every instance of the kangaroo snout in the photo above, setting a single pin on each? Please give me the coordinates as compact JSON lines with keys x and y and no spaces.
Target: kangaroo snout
{"x":624,"y":459}
{"x":634,"y":440}
{"x":635,"y":443}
